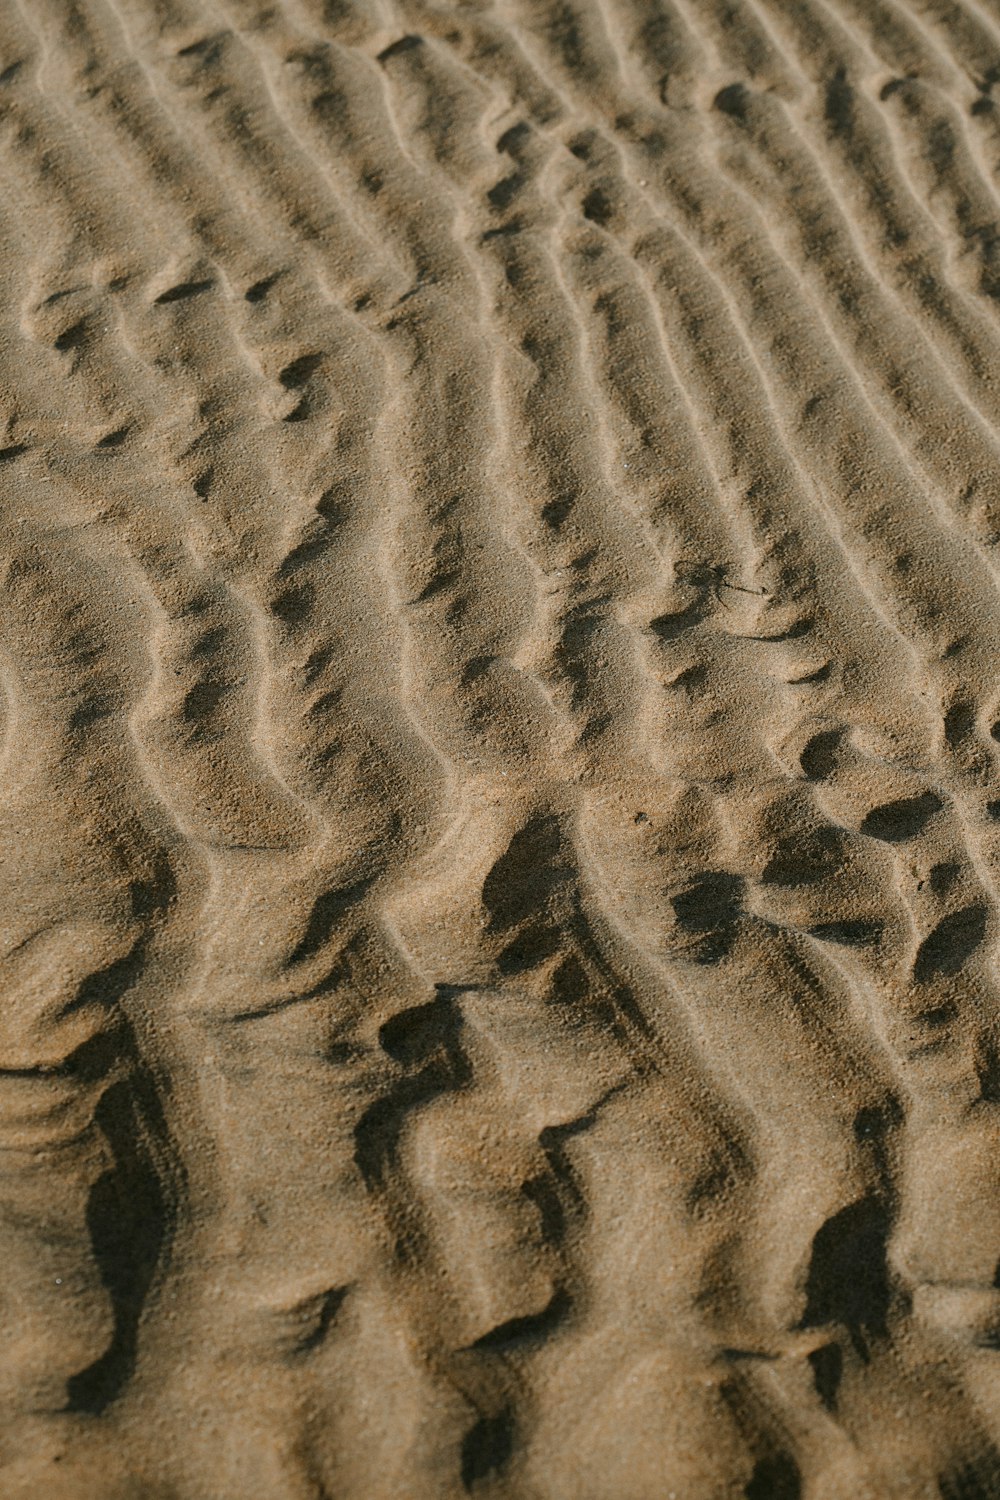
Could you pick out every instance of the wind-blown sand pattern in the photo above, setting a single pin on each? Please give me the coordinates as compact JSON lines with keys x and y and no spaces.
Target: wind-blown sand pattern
{"x":500,"y":654}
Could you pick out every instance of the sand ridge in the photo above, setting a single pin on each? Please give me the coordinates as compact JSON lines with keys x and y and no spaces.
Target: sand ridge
{"x":501,"y":791}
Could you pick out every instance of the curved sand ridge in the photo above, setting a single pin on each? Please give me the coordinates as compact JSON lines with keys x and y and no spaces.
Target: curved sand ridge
{"x":501,"y":788}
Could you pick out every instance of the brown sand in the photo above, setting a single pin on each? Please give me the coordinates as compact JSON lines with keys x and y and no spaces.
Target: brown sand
{"x":501,"y":795}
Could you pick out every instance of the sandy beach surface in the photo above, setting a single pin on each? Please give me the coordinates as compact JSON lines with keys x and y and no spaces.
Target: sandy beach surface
{"x":500,"y":788}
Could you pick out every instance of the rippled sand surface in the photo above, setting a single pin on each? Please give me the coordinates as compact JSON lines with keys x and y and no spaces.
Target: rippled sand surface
{"x":500,"y":788}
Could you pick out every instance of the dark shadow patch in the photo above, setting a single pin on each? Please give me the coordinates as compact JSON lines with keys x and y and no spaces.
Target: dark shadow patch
{"x":827,"y":1365}
{"x":202,"y":484}
{"x":733,"y":100}
{"x":293,"y":605}
{"x":716,"y":1182}
{"x":408,"y":43}
{"x":839,"y":105}
{"x":819,"y":757}
{"x":541,"y":1191}
{"x":525,"y":1329}
{"x":153,"y":896}
{"x":114,"y":439}
{"x":107,"y":986}
{"x":475,"y":668}
{"x":848,"y":1277}
{"x":690,"y":680}
{"x":214,"y":638}
{"x":410,"y":1037}
{"x":316,"y":544}
{"x":804,"y":858}
{"x":260,"y":289}
{"x":709,"y":909}
{"x":819,"y":675}
{"x":528,"y":874}
{"x":515,"y":139}
{"x":776,"y":1477}
{"x":975,"y":1479}
{"x":562,"y":1179}
{"x":294,"y":375}
{"x":959,"y":723}
{"x":528,"y":949}
{"x":943,"y":876}
{"x":874,"y":1128}
{"x":512,"y":272}
{"x":327,"y":910}
{"x":669,"y":627}
{"x":206,"y":46}
{"x":874,"y":1121}
{"x":316,"y":1316}
{"x":444,"y":579}
{"x":904,"y":819}
{"x":73,"y":337}
{"x":7,"y":455}
{"x":437,"y":1026}
{"x":502,"y":194}
{"x":130,"y":1218}
{"x":556,"y":512}
{"x":892,"y":87}
{"x":487,"y":1447}
{"x":182,"y":291}
{"x":937,"y":1016}
{"x":793,"y":632}
{"x":570,"y":986}
{"x":598,"y":207}
{"x":988,"y":1074}
{"x":202,"y":700}
{"x":93,"y":711}
{"x":951,"y":944}
{"x":852,"y":934}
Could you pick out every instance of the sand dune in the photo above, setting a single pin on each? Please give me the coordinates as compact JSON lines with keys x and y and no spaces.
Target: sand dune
{"x":500,"y":664}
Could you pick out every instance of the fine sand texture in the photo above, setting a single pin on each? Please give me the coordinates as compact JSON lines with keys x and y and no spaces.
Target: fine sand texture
{"x":500,"y":788}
